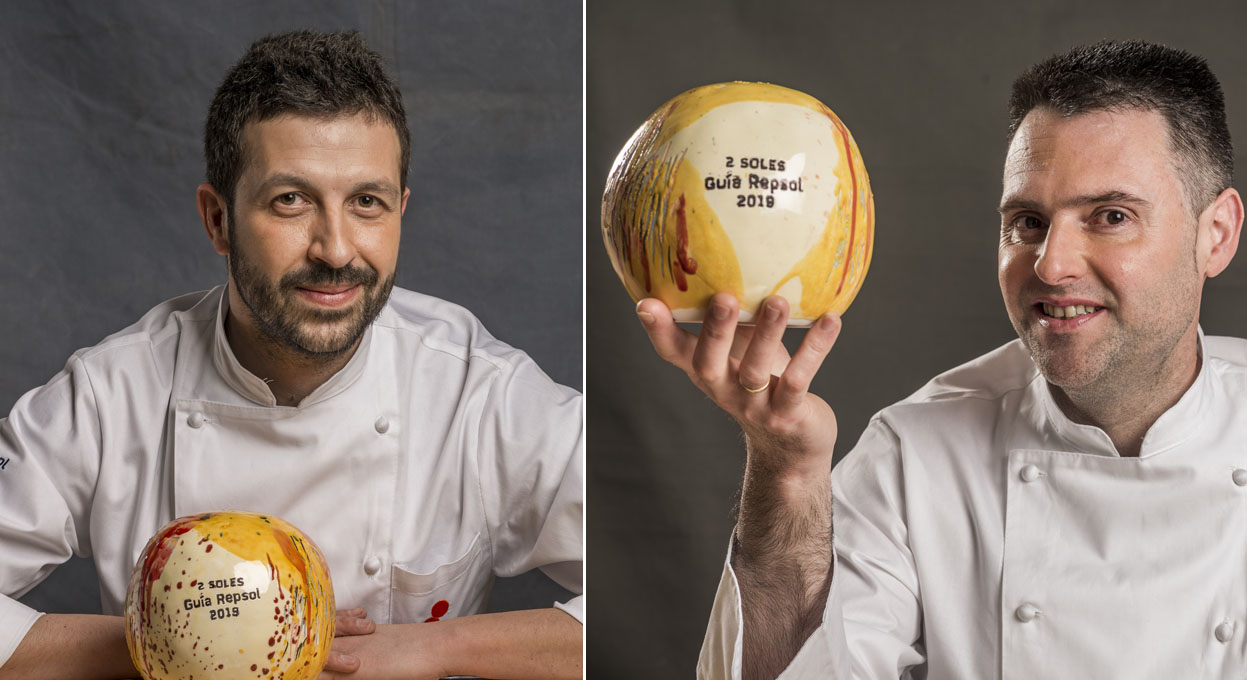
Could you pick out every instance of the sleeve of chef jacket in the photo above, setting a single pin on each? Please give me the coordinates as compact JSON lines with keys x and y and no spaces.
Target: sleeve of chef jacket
{"x":532,"y":472}
{"x":873,"y":619}
{"x":51,"y":442}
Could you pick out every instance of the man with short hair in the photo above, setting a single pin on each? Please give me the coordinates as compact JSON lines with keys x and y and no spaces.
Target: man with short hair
{"x":1068,"y":505}
{"x":424,"y":456}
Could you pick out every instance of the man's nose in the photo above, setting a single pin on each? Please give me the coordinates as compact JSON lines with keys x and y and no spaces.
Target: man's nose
{"x":332,"y":242}
{"x":1062,"y":257}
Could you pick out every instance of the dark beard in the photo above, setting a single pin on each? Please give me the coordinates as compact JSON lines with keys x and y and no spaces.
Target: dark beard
{"x":284,"y":322}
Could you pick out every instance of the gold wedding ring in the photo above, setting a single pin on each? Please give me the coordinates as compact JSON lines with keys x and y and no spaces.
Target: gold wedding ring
{"x":753,"y":390}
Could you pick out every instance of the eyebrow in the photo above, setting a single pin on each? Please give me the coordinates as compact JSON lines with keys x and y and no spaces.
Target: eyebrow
{"x":290,"y":179}
{"x":1114,"y":196}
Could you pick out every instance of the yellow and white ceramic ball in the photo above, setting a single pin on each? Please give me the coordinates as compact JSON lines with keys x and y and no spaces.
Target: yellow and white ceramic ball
{"x":230,"y":595}
{"x":747,"y":188}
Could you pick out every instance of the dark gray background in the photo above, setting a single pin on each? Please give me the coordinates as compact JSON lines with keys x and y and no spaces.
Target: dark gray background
{"x":101,"y":116}
{"x":923,"y":88}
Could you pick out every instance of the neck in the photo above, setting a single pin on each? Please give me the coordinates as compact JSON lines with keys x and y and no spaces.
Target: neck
{"x":1127,"y":410}
{"x":290,"y":375}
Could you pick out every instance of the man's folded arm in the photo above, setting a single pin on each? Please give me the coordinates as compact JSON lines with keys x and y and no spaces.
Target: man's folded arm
{"x":50,"y":442}
{"x":539,"y":643}
{"x":531,"y":462}
{"x":59,"y":646}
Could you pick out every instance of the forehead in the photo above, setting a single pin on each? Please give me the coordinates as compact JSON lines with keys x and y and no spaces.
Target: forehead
{"x":1090,"y":154}
{"x":344,"y":148}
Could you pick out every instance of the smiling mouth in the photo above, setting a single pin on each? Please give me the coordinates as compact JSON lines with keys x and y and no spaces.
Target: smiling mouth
{"x":1069,"y":311}
{"x":331,"y":297}
{"x":335,"y":290}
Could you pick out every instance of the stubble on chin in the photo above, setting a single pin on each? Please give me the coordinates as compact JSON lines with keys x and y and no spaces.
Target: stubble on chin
{"x":288,"y":325}
{"x":1061,"y":360}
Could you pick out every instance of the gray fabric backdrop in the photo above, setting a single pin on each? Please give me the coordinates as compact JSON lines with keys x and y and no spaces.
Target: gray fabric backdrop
{"x":101,"y":115}
{"x":923,"y":88}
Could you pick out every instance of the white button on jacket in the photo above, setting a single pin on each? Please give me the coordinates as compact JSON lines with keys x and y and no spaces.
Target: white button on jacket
{"x":436,"y":459}
{"x":979,"y":533}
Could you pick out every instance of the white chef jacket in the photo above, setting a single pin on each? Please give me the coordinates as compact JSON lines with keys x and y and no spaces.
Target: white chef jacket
{"x":435,"y":460}
{"x":980,"y":533}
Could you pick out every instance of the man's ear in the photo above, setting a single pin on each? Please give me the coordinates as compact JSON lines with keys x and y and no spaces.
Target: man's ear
{"x":215,"y":217}
{"x":1219,"y":229}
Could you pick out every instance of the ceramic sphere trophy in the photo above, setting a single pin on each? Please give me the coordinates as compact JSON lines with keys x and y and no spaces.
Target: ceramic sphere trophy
{"x":230,"y":595}
{"x":747,"y":188}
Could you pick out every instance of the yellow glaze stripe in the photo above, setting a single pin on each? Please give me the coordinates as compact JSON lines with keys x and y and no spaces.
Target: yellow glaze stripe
{"x":246,"y":535}
{"x":848,"y":235}
{"x":687,"y":108}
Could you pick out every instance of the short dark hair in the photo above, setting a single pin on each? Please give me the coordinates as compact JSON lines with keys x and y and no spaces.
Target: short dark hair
{"x":302,"y":72}
{"x":1136,"y":75}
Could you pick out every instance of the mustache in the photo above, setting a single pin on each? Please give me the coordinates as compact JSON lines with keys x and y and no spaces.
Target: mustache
{"x":321,"y":275}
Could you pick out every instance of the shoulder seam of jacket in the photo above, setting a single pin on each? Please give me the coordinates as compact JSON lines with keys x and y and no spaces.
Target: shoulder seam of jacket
{"x":144,"y":337}
{"x":469,"y":352}
{"x":962,"y":393}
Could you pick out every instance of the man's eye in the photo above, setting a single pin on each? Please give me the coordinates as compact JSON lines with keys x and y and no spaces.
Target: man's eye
{"x":288,"y":199}
{"x":1114,"y":217}
{"x":1027,"y":223}
{"x":367,"y":201}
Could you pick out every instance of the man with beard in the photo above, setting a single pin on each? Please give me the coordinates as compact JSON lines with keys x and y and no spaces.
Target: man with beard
{"x":424,"y":456}
{"x":1070,"y":505}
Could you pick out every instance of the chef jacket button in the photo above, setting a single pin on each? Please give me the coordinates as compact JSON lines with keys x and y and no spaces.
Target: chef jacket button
{"x":372,"y":565}
{"x":382,"y":425}
{"x":195,"y":420}
{"x":1026,"y":612}
{"x":1240,"y":477}
{"x":1224,"y":631}
{"x":1030,"y":473}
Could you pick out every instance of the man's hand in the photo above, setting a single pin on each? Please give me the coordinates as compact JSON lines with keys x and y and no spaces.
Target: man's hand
{"x":782,"y":552}
{"x":748,"y":373}
{"x":349,"y":622}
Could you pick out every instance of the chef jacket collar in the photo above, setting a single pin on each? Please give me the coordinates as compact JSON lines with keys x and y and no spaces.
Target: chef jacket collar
{"x":255,"y":389}
{"x":1172,"y":428}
